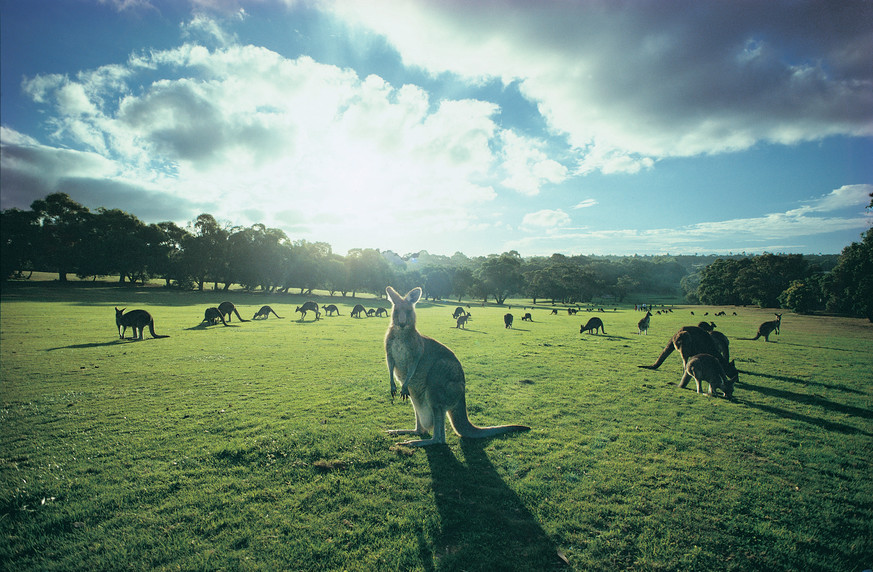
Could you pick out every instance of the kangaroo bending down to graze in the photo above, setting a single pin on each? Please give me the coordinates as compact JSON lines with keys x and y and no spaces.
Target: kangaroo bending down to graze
{"x":462,"y":321}
{"x":330,"y":309}
{"x":768,"y":328}
{"x":592,"y":326}
{"x":265,"y":312}
{"x":212,"y":316}
{"x":381,"y":312}
{"x":430,"y":376}
{"x":507,"y":320}
{"x":227,"y":308}
{"x":308,"y":307}
{"x":137,"y":320}
{"x":371,"y":312}
{"x":358,"y":310}
{"x":643,"y":324}
{"x":527,"y":318}
{"x":705,"y":367}
{"x":554,"y":312}
{"x":458,"y":312}
{"x":690,"y":341}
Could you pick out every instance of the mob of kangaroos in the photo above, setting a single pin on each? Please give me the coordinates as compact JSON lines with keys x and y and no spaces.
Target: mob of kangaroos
{"x":430,"y":376}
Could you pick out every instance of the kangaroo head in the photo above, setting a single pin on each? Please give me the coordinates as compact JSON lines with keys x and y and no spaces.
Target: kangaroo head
{"x":403,"y":307}
{"x":119,"y":312}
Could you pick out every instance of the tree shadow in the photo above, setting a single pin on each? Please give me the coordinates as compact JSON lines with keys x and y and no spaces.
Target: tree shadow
{"x":484,"y":525}
{"x":802,"y":381}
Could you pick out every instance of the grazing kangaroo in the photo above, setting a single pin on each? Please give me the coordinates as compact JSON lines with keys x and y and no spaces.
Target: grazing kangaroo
{"x":137,"y":320}
{"x":705,"y":367}
{"x":265,"y":312}
{"x":308,"y":307}
{"x":507,"y":320}
{"x":358,"y":310}
{"x":643,"y":324}
{"x":371,"y":312}
{"x":592,"y":326}
{"x":381,"y":312}
{"x":212,"y":316}
{"x":462,"y":321}
{"x":527,"y":318}
{"x":690,"y":341}
{"x":431,"y":377}
{"x":330,"y":309}
{"x":226,"y":308}
{"x":768,"y":328}
{"x":458,"y":312}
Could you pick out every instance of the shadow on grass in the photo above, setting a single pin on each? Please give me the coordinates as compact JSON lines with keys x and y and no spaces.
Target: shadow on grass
{"x":100,"y":344}
{"x":485,"y":526}
{"x":850,"y":350}
{"x":823,"y":423}
{"x":802,"y":381}
{"x":204,"y":326}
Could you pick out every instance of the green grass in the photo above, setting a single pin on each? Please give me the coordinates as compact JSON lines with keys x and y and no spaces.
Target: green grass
{"x":262,"y":446}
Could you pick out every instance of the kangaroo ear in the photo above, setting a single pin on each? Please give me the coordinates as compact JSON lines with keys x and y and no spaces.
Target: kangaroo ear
{"x":394,"y":295}
{"x":414,"y":295}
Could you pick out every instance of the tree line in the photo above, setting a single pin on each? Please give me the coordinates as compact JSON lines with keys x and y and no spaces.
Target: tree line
{"x":60,"y":235}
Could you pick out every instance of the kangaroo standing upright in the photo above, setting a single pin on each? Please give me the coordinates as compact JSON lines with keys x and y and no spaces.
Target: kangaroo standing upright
{"x":643,"y":324}
{"x":136,"y":320}
{"x":768,"y":328}
{"x":431,"y":377}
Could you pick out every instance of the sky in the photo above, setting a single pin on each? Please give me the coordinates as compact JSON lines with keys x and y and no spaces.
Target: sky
{"x":560,"y":126}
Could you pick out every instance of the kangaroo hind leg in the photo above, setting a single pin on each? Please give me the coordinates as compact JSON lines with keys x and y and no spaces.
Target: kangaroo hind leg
{"x":439,"y":430}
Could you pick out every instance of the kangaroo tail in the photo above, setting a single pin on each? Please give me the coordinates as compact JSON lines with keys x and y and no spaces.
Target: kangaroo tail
{"x":152,"y":330}
{"x":664,"y":355}
{"x":240,"y":318}
{"x":463,"y":427}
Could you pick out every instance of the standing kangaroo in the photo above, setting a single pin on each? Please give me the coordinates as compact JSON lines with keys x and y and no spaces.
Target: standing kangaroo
{"x":136,"y":320}
{"x":704,"y":367}
{"x":768,"y":328}
{"x":643,"y":324}
{"x":265,"y":312}
{"x":462,"y":321}
{"x":592,"y":326}
{"x":308,"y":307}
{"x":431,"y":377}
{"x":227,"y":308}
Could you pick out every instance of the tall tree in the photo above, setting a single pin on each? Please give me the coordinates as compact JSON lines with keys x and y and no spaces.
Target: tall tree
{"x":62,"y":222}
{"x":501,"y":275}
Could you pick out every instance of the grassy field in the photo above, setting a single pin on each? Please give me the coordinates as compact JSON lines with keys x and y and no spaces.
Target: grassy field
{"x":262,"y":445}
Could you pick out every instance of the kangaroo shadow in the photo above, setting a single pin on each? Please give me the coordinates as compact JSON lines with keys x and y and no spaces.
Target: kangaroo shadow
{"x":203,"y":326}
{"x":484,"y":525}
{"x":849,"y":350}
{"x":92,"y":345}
{"x":807,"y":399}
{"x":823,"y":423}
{"x":802,"y":381}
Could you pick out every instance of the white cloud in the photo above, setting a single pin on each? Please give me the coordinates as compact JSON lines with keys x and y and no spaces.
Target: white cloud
{"x":631,"y":83}
{"x":586,"y":203}
{"x":768,"y":232}
{"x":546,"y":219}
{"x":527,"y":166}
{"x":846,"y":196}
